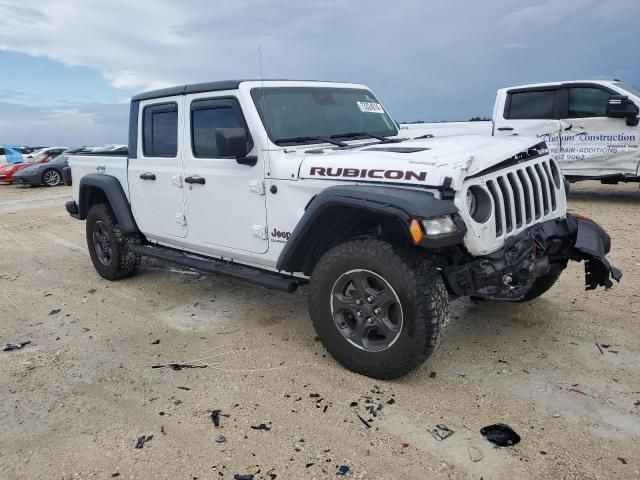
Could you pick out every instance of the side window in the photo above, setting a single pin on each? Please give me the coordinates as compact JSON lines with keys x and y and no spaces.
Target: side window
{"x":206,"y":117}
{"x":1,"y":151}
{"x":531,"y":105}
{"x":587,"y":102}
{"x":160,"y":130}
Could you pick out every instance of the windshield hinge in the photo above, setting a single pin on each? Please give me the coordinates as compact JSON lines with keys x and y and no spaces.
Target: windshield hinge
{"x":257,"y":186}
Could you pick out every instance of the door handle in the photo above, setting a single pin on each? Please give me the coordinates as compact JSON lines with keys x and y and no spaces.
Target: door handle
{"x":148,"y":176}
{"x":195,"y":179}
{"x":502,"y":129}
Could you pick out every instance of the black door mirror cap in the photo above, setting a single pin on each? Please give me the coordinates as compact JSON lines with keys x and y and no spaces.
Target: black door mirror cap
{"x":619,"y":106}
{"x":232,"y":142}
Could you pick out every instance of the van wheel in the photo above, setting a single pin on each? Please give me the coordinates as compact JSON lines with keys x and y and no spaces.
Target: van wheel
{"x":108,"y":246}
{"x":51,"y":178}
{"x":379,"y":310}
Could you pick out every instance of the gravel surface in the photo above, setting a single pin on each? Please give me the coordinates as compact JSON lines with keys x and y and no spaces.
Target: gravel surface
{"x":562,"y":371}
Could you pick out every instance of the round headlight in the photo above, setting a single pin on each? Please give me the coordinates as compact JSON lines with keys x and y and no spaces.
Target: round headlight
{"x":479,"y":204}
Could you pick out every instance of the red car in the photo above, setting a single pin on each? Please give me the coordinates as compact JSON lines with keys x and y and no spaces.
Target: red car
{"x":42,"y":156}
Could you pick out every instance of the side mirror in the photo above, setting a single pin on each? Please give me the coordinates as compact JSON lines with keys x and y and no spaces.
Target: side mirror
{"x":620,"y":106}
{"x":232,"y":142}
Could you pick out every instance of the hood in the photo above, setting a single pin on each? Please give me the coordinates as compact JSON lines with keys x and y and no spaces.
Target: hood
{"x":421,"y":161}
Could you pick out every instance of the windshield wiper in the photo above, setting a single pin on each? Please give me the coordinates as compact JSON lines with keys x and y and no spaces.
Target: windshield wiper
{"x":366,"y":134}
{"x":278,"y":141}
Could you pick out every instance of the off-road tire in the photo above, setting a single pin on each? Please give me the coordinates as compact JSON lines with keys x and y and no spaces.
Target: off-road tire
{"x":123,"y":262}
{"x":47,"y":182}
{"x":541,"y":286}
{"x":423,"y":298}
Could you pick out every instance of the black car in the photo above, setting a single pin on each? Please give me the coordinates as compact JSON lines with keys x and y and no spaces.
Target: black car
{"x":49,"y":173}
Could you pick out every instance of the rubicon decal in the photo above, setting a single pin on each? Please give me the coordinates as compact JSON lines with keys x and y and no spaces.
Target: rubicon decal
{"x":375,"y":173}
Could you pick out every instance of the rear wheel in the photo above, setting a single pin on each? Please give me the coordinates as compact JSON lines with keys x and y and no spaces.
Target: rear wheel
{"x":51,"y":178}
{"x":109,"y":247}
{"x":380,"y":310}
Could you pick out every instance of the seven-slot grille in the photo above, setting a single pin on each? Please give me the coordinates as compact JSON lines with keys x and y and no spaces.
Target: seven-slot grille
{"x":524,"y":195}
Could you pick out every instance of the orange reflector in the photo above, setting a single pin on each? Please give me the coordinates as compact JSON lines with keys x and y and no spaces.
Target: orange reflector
{"x":416,"y":231}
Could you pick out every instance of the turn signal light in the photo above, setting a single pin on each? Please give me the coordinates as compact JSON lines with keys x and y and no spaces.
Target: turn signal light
{"x":415,"y":230}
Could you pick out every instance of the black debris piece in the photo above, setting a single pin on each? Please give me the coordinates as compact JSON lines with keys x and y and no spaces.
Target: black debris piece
{"x":92,"y":291}
{"x":272,"y":476}
{"x":432,"y":375}
{"x":599,"y":348}
{"x":15,"y":346}
{"x":391,"y":401}
{"x":178,"y":366}
{"x":342,"y":470}
{"x":314,"y":395}
{"x":637,"y":403}
{"x":54,"y":311}
{"x":604,"y":345}
{"x":262,"y":426}
{"x":114,"y":475}
{"x":142,"y":440}
{"x":324,"y":409}
{"x":500,"y":434}
{"x":162,"y":431}
{"x":622,"y":460}
{"x":246,"y":476}
{"x":184,"y":388}
{"x":309,"y":465}
{"x":440,"y":432}
{"x":366,"y":424}
{"x":353,"y":404}
{"x":156,"y":342}
{"x":177,"y":402}
{"x":161,"y":414}
{"x":215,"y":417}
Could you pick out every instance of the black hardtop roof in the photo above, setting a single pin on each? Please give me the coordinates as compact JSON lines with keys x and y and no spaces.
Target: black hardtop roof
{"x":204,"y":87}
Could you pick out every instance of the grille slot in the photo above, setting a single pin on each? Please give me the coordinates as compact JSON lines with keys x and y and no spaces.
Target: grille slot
{"x":522,"y":196}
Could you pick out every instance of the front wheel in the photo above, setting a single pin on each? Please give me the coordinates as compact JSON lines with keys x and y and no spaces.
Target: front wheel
{"x":109,"y":247}
{"x":51,"y":178}
{"x":379,"y":310}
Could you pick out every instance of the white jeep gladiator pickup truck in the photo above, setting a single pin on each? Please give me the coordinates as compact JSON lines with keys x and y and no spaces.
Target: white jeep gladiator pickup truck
{"x":590,"y":126}
{"x":282,"y":183}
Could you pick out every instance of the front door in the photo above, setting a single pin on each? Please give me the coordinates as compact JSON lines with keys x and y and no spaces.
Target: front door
{"x":532,"y":113}
{"x":157,"y":196}
{"x":595,"y":145}
{"x":225,"y":200}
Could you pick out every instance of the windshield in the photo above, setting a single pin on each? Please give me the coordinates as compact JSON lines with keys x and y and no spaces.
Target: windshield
{"x":308,"y":114}
{"x":629,"y":88}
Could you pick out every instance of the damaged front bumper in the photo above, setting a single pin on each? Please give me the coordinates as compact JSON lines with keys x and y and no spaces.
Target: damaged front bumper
{"x":541,"y":251}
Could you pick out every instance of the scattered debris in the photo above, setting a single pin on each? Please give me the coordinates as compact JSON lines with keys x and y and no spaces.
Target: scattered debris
{"x":178,"y":366}
{"x":142,"y":440}
{"x":92,"y":291}
{"x":156,"y":342}
{"x":215,"y":417}
{"x":114,"y":475}
{"x":162,"y":431}
{"x":440,"y":432}
{"x":475,"y":454}
{"x":405,"y":445}
{"x":599,"y":348}
{"x":221,"y":439}
{"x":246,"y":476}
{"x":309,"y":465}
{"x":184,"y":388}
{"x":500,"y":434}
{"x":432,"y":375}
{"x":366,"y":424}
{"x":342,"y":470}
{"x":391,"y":401}
{"x":15,"y":346}
{"x":262,"y":426}
{"x":637,"y":403}
{"x":54,"y":311}
{"x":622,"y":460}
{"x":577,"y":391}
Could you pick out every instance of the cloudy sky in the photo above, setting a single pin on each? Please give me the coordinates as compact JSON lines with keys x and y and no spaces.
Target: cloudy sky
{"x":67,"y":68}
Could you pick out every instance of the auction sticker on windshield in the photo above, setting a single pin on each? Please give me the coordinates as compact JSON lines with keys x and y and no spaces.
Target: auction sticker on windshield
{"x":370,"y":107}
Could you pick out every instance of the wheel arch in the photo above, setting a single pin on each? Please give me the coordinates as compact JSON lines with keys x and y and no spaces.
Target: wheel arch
{"x":340,"y":213}
{"x":95,"y":188}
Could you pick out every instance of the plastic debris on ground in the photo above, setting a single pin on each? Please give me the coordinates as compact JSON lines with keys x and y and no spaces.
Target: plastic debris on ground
{"x":221,"y":439}
{"x":500,"y":435}
{"x":142,"y":440}
{"x":342,"y":470}
{"x":246,"y":476}
{"x":440,"y":432}
{"x":178,"y":366}
{"x":262,"y":426}
{"x":15,"y":346}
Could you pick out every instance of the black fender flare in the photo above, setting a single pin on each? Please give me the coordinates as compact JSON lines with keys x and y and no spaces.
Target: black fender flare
{"x":112,"y":190}
{"x":397,"y":204}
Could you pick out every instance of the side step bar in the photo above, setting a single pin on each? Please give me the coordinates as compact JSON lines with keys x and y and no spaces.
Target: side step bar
{"x":248,"y":274}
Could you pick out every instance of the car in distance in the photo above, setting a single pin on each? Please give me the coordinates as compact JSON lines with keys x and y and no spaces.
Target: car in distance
{"x":39,"y":156}
{"x":48,"y":173}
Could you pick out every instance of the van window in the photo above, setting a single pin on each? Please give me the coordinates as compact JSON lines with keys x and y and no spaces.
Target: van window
{"x":160,"y":130}
{"x":588,"y":102}
{"x":531,"y":105}
{"x":206,"y":117}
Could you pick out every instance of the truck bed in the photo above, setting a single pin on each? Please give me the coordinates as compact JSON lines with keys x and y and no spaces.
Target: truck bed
{"x":108,"y":164}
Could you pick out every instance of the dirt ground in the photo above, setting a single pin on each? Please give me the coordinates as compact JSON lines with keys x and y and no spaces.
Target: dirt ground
{"x":562,"y":371}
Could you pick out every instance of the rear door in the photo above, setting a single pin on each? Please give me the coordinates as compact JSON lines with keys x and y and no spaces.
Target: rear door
{"x":532,"y":112}
{"x":225,"y":200}
{"x":595,"y":145}
{"x":157,"y":196}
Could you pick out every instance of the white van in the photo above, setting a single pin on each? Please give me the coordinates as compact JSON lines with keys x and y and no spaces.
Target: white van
{"x":590,"y":126}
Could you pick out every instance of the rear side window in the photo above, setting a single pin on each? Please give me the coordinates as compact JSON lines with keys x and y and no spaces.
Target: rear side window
{"x":160,"y":130}
{"x":206,"y":117}
{"x":588,"y":102}
{"x":1,"y":151}
{"x":531,"y":105}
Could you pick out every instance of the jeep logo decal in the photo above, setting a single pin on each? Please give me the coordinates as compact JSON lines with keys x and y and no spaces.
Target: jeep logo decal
{"x":365,"y":173}
{"x":279,"y":237}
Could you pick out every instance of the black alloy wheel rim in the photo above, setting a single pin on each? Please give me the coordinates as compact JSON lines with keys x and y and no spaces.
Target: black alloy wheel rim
{"x":101,"y":243}
{"x":52,"y":178}
{"x":366,"y":310}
